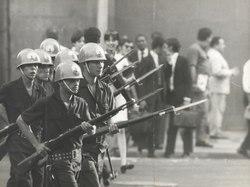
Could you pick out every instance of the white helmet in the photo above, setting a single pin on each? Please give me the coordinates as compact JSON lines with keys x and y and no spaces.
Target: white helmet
{"x":68,"y":70}
{"x":91,"y":51}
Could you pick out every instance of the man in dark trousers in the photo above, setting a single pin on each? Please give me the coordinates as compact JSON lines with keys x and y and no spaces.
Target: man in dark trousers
{"x":178,"y":79}
{"x":100,"y":100}
{"x":16,"y":97}
{"x":61,"y":111}
{"x":145,"y":136}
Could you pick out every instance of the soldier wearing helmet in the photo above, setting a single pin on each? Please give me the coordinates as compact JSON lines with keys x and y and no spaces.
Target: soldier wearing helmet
{"x":65,"y":56}
{"x":61,"y":112}
{"x":51,"y":46}
{"x":44,"y":72}
{"x":100,"y":100}
{"x":16,"y":97}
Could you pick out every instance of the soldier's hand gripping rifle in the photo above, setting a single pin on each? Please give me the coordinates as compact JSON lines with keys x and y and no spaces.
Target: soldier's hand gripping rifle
{"x":52,"y":144}
{"x":111,"y":68}
{"x":111,"y":77}
{"x":136,"y":81}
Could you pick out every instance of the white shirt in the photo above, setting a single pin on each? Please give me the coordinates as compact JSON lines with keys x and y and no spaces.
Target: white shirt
{"x":219,"y":81}
{"x":246,"y":77}
{"x":122,"y":63}
{"x":119,"y":99}
{"x":173,"y":63}
{"x":145,"y":53}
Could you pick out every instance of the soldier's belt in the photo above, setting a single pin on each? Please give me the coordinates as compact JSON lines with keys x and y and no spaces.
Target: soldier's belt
{"x":76,"y":153}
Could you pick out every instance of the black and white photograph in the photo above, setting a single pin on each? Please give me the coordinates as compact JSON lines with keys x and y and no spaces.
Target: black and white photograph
{"x":125,"y":93}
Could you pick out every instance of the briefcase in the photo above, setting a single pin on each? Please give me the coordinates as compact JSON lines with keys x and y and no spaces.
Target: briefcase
{"x":186,"y":119}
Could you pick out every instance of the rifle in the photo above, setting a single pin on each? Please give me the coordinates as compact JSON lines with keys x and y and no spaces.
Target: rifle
{"x":11,"y":128}
{"x":110,"y":68}
{"x":110,"y":77}
{"x":26,"y":164}
{"x":136,"y":81}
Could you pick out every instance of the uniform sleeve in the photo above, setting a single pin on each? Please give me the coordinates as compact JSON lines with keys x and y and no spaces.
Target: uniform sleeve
{"x":85,"y":111}
{"x":35,"y":112}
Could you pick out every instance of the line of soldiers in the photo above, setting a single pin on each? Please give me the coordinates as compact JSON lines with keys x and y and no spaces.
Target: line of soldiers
{"x":53,"y":75}
{"x":58,"y":90}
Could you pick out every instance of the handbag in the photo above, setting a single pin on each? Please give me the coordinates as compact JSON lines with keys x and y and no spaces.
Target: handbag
{"x":186,"y":119}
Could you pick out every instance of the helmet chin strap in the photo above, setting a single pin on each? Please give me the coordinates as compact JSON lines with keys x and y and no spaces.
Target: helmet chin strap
{"x":21,"y":70}
{"x":68,"y":87}
{"x":87,"y":67}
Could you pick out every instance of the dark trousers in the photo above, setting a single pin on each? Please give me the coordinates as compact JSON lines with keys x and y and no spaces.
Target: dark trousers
{"x":92,"y":167}
{"x":29,"y":179}
{"x":151,"y":139}
{"x":246,"y":143}
{"x":65,"y":172}
{"x":172,"y":134}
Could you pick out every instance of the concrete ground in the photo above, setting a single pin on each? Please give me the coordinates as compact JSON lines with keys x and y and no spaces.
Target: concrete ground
{"x":220,"y":166}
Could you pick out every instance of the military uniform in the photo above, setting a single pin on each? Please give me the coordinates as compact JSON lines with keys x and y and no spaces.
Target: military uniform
{"x":66,"y":159}
{"x":16,"y":99}
{"x":93,"y":150}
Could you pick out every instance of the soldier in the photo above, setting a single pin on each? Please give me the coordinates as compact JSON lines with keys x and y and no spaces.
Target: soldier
{"x":52,"y":47}
{"x":61,"y":112}
{"x":16,"y":97}
{"x":65,"y":56}
{"x":100,"y":100}
{"x":44,"y":71}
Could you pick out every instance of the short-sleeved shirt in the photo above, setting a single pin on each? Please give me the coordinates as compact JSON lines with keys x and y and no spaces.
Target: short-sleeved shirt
{"x":16,"y":100}
{"x":100,"y":103}
{"x":198,"y":57}
{"x":58,"y":119}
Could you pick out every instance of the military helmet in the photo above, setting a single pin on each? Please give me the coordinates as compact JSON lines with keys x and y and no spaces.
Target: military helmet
{"x":51,"y":46}
{"x":91,"y":51}
{"x":27,"y":56}
{"x":65,"y":55}
{"x":45,"y":57}
{"x":68,"y":70}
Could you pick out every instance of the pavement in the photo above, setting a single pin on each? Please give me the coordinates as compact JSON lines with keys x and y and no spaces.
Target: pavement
{"x":219,"y":166}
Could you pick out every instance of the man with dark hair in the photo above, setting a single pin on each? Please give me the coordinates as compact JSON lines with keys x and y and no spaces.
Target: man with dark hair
{"x":200,"y":71}
{"x":52,"y":32}
{"x":145,"y":137}
{"x":158,"y":47}
{"x":179,"y":83}
{"x":219,"y":86}
{"x":156,"y":34}
{"x":77,"y":40}
{"x":92,"y":34}
{"x":204,"y":34}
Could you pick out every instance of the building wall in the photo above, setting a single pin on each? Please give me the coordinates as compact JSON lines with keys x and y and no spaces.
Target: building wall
{"x":31,"y":18}
{"x":4,"y":50}
{"x":182,"y":19}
